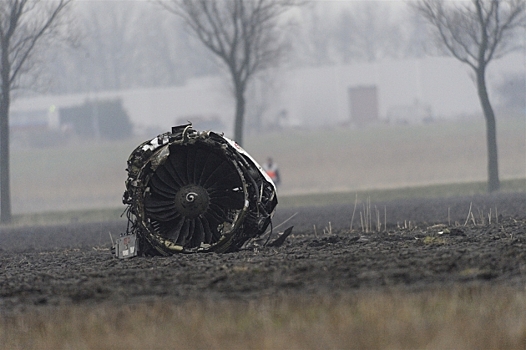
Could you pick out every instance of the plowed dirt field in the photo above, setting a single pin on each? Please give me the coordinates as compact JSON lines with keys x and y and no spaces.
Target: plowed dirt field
{"x":420,"y":243}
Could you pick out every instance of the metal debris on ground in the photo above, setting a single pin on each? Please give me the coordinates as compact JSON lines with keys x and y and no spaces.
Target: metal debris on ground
{"x":190,"y":191}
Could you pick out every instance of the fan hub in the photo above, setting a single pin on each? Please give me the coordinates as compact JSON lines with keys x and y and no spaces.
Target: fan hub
{"x":192,"y":200}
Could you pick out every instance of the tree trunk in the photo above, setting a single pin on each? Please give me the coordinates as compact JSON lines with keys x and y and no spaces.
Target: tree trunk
{"x":5,"y":184}
{"x":240,"y":113}
{"x":491,"y":130}
{"x":5,"y":190}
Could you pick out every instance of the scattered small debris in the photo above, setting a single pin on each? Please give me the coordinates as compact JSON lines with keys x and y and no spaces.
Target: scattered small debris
{"x":281,"y":239}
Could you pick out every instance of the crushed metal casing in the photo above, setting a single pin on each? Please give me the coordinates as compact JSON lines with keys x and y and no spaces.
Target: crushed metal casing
{"x":190,"y":191}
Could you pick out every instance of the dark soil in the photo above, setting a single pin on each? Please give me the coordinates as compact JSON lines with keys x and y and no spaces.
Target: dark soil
{"x":71,"y":264}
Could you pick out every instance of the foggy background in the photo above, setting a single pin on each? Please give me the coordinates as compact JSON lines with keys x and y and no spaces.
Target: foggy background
{"x":368,"y":68}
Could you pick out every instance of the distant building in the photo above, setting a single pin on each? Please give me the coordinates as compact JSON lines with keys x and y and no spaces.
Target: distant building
{"x":363,"y":105}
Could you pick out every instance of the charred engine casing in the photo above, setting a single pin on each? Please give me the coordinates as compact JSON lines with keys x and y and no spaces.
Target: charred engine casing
{"x":190,"y":191}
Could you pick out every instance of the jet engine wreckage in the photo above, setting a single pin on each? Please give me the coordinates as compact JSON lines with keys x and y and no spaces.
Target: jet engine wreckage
{"x":189,"y":191}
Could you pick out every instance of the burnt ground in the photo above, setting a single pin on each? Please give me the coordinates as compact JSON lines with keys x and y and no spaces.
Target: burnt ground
{"x":72,"y":264}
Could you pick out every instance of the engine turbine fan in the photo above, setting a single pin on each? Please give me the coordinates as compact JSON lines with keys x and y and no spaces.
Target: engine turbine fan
{"x":190,"y":191}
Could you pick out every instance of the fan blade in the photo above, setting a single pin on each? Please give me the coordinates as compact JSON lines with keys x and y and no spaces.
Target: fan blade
{"x":181,"y":240}
{"x":212,"y":224}
{"x":160,"y":188}
{"x":178,"y":160}
{"x":162,"y":216}
{"x":190,"y":239}
{"x":174,"y":230}
{"x":173,"y":173}
{"x":222,"y":171}
{"x":201,"y":158}
{"x":220,"y":214}
{"x":199,"y":233}
{"x":158,"y":206}
{"x":160,"y":209}
{"x":227,"y":182}
{"x":164,"y":175}
{"x":212,"y":164}
{"x":228,"y":199}
{"x":207,"y":231}
{"x":190,"y":163}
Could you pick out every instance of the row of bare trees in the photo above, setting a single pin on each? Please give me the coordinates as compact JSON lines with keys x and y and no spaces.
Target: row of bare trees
{"x":362,"y":31}
{"x":246,"y":37}
{"x":124,"y":46}
{"x":140,"y":45}
{"x":26,"y":28}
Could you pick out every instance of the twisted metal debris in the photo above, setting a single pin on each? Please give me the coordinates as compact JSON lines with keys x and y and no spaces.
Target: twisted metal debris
{"x":190,"y":191}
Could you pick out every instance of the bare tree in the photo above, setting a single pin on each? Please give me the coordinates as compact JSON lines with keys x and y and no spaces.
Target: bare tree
{"x":126,"y":44}
{"x":314,"y":42}
{"x":475,"y":33}
{"x":373,"y":33}
{"x":24,"y":26}
{"x":246,"y":35}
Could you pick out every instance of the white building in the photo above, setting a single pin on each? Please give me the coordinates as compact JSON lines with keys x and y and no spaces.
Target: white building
{"x":407,"y":90}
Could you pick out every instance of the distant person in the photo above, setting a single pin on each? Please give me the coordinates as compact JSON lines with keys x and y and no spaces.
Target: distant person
{"x":272,"y":171}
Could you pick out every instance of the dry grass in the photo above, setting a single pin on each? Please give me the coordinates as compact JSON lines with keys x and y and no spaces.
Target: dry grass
{"x":468,"y":317}
{"x":383,"y":195}
{"x":391,"y":157}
